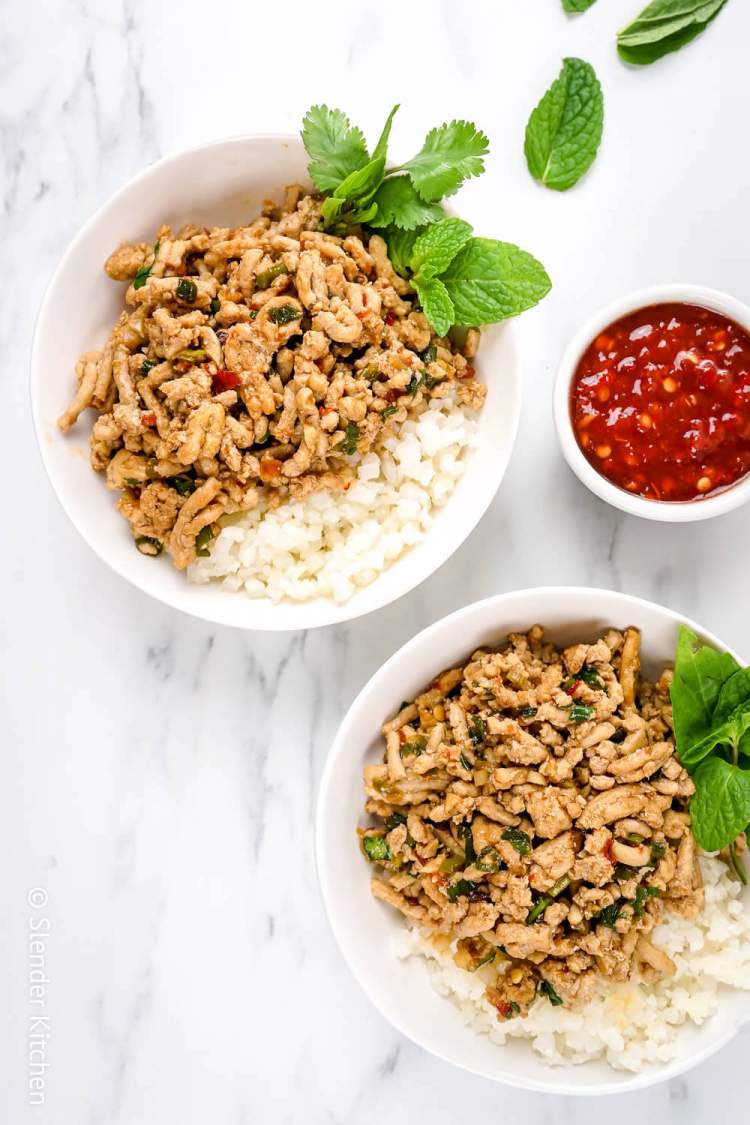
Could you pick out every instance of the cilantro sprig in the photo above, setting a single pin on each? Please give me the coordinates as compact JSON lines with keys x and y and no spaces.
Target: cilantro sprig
{"x":459,"y":279}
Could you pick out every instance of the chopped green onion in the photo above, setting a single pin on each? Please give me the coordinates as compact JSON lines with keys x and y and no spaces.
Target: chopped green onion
{"x":558,"y":887}
{"x":414,"y":746}
{"x":388,"y":411}
{"x":202,"y":539}
{"x":590,"y":676}
{"x":468,"y":839}
{"x":265,"y":277}
{"x":193,"y":355}
{"x":488,"y":860}
{"x":376,"y":848}
{"x":538,"y":909}
{"x":581,"y":712}
{"x":149,"y":546}
{"x":452,"y":864}
{"x":147,"y":365}
{"x":520,"y":841}
{"x":284,"y":315}
{"x":143,"y":273}
{"x":546,"y":989}
{"x":187,"y":290}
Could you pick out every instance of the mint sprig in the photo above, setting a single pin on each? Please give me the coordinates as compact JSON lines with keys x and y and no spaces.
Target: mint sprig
{"x":664,"y":26}
{"x":573,"y":6}
{"x":565,"y":129}
{"x":459,"y":279}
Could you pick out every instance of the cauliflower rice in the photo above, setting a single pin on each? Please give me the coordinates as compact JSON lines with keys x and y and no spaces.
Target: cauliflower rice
{"x":631,"y":1024}
{"x":332,"y":543}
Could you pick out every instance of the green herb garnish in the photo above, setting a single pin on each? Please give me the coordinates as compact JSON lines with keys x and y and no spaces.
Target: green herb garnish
{"x":214,"y":306}
{"x":489,"y":859}
{"x":348,"y":444}
{"x":477,"y":730}
{"x":429,"y":355}
{"x":528,"y":712}
{"x":520,"y":841}
{"x":183,"y":484}
{"x":187,"y":290}
{"x":284,"y":314}
{"x":148,"y":365}
{"x":466,"y":835}
{"x":459,"y":279}
{"x":460,"y":889}
{"x":609,"y":915}
{"x":415,"y":746}
{"x":464,"y":762}
{"x":143,"y":273}
{"x":450,"y":865}
{"x":711,"y":713}
{"x":376,"y":848}
{"x":664,"y":26}
{"x":641,"y":894}
{"x":413,"y":385}
{"x":546,"y":989}
{"x":574,"y":6}
{"x":581,"y":713}
{"x":393,"y":820}
{"x":202,"y":539}
{"x":565,"y":129}
{"x":388,"y":411}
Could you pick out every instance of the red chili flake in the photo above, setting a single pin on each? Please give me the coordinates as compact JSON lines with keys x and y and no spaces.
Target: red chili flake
{"x":224,"y":380}
{"x":469,"y":373}
{"x":390,"y":318}
{"x":323,"y":410}
{"x":270,"y":468}
{"x":505,"y":1009}
{"x":607,"y":851}
{"x":364,"y":314}
{"x":148,"y":418}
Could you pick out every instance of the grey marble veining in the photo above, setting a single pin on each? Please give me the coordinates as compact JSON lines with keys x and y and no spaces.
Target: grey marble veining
{"x":159,"y":775}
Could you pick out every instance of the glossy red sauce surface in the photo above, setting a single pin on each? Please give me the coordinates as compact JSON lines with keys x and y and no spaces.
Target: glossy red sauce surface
{"x":660,"y":402}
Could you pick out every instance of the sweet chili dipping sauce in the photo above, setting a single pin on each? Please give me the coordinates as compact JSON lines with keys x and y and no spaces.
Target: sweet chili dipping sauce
{"x":660,"y":402}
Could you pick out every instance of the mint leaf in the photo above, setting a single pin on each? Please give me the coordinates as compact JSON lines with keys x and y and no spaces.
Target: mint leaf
{"x":436,"y":248}
{"x":664,"y":26}
{"x":400,"y":248}
{"x":436,"y":303}
{"x":450,"y":154}
{"x":730,"y":732}
{"x":399,"y":205}
{"x":734,"y":692}
{"x":382,"y":146}
{"x":565,"y":129}
{"x":699,"y":674}
{"x":489,"y":281}
{"x":577,"y":5}
{"x":336,"y":148}
{"x":720,"y":808}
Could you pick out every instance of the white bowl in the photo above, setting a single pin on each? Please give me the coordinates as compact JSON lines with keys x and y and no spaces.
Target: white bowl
{"x":703,"y":508}
{"x":224,"y":184}
{"x":365,"y":929}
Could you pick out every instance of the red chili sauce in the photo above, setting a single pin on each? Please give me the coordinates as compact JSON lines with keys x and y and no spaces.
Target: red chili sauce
{"x":660,"y":402}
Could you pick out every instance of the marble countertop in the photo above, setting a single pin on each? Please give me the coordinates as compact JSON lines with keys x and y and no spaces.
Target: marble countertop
{"x":157,"y":772}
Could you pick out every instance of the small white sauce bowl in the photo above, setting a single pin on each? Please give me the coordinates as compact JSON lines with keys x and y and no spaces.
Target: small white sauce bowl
{"x":366,"y":930}
{"x":703,"y":508}
{"x":225,"y":183}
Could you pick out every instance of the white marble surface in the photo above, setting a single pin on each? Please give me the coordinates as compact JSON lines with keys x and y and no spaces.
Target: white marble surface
{"x":158,"y":775}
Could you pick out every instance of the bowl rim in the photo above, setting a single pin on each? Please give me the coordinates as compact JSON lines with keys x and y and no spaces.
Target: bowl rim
{"x":443,"y":546}
{"x":665,"y":511}
{"x":346,"y":734}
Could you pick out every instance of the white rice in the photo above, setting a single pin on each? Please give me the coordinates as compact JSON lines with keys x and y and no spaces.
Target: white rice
{"x":332,"y":543}
{"x":632,"y":1024}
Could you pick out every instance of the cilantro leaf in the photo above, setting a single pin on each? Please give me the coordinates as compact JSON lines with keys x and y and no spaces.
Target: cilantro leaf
{"x":436,"y":247}
{"x":382,"y":145}
{"x":450,"y":154}
{"x":565,"y":129}
{"x":362,"y":183}
{"x":577,"y":5}
{"x":488,"y":281}
{"x":399,"y":205}
{"x":400,"y":248}
{"x":436,"y":303}
{"x":664,"y":26}
{"x":720,"y":808}
{"x":336,"y":148}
